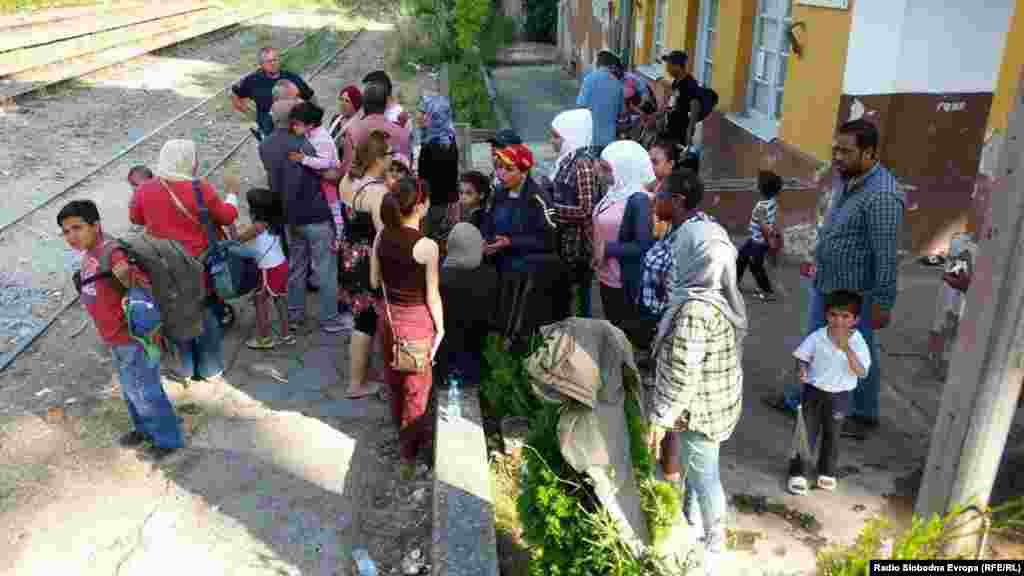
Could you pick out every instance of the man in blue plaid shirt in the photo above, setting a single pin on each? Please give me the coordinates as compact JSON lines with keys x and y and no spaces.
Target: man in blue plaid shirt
{"x":858,"y":250}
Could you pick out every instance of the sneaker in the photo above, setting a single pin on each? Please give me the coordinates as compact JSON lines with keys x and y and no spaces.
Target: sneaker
{"x":827,"y":483}
{"x":131,"y":439}
{"x":338,"y":325}
{"x":286,"y":340}
{"x":260,"y":343}
{"x":797,"y":485}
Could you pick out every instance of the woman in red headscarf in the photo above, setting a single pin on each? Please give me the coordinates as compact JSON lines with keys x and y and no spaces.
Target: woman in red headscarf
{"x":351,"y":103}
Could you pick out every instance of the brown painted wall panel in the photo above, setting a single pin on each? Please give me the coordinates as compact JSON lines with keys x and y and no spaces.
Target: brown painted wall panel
{"x":932,"y":142}
{"x":733,"y":152}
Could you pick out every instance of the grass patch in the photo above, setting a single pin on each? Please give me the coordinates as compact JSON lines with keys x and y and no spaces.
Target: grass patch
{"x":513,"y":556}
{"x":108,"y":420}
{"x":468,"y":93}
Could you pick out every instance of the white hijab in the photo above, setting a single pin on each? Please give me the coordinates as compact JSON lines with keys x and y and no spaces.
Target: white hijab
{"x":576,"y":128}
{"x":177,"y":161}
{"x":631,"y":169}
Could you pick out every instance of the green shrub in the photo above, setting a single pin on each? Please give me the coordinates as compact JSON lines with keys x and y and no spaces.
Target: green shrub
{"x":541,"y":20}
{"x":498,"y":31}
{"x":470,"y":18}
{"x":924,"y":540}
{"x":569,"y":532}
{"x":506,"y":388}
{"x":468,"y":95}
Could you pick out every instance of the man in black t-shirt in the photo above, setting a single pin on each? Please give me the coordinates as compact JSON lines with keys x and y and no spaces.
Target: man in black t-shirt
{"x":685,"y":101}
{"x":259,"y":87}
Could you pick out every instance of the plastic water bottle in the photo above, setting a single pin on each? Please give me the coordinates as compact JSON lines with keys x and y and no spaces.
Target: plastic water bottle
{"x":454,"y":395}
{"x":364,"y":565}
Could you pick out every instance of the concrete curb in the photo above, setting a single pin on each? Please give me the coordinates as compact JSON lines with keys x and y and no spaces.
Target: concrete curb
{"x":464,"y":539}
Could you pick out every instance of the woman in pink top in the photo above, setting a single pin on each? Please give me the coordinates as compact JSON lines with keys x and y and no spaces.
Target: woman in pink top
{"x":623,"y":233}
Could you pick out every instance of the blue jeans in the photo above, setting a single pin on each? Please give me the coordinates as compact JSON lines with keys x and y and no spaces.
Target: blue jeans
{"x":203,"y":357}
{"x":705,"y":504}
{"x":866,"y":394}
{"x":151,"y":412}
{"x":306,"y":244}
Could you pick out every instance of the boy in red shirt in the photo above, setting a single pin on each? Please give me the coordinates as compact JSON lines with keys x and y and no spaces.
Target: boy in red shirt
{"x":151,"y":411}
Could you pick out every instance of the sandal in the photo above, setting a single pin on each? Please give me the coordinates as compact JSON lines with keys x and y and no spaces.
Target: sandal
{"x":797,"y":485}
{"x":258,"y":343}
{"x":827,"y":483}
{"x":369,"y":391}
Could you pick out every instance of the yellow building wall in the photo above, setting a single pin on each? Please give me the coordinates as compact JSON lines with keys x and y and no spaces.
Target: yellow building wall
{"x":814,"y":82}
{"x":733,"y":47}
{"x":681,"y":19}
{"x":1009,"y":73}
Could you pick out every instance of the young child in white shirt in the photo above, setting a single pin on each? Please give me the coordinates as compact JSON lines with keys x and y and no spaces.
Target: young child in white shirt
{"x":262,"y":242}
{"x":829,"y":362}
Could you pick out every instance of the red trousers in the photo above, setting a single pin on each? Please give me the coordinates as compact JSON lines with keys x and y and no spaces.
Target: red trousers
{"x":409,"y":392}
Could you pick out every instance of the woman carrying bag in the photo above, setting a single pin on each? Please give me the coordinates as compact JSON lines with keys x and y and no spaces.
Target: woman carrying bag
{"x":404,"y":263}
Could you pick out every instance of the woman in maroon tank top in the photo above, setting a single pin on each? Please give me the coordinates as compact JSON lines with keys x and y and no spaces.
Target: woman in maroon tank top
{"x":405,"y":263}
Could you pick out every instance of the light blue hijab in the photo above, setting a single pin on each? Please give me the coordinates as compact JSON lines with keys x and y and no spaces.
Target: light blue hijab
{"x":439,"y":128}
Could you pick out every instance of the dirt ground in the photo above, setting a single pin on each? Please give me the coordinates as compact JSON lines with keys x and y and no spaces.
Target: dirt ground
{"x":280,"y":477}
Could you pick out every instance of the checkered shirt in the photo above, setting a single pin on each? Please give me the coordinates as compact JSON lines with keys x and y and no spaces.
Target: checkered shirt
{"x":857,"y":246}
{"x":658,"y":264}
{"x":698,"y":378}
{"x":575,"y":221}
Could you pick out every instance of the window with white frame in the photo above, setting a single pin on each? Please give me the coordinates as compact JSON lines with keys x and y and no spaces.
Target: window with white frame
{"x":658,"y":41}
{"x":706,"y":47}
{"x":768,"y":65}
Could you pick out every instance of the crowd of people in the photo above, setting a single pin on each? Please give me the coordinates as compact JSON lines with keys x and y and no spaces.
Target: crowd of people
{"x":419,"y":262}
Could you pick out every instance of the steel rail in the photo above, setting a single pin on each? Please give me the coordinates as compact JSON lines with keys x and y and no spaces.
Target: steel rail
{"x":10,"y":357}
{"x":141,"y":140}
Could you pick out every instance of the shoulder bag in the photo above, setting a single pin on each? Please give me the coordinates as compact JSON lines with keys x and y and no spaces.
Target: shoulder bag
{"x":410,"y":355}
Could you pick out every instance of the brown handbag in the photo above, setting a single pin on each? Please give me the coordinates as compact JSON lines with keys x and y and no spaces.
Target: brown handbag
{"x":411,"y":355}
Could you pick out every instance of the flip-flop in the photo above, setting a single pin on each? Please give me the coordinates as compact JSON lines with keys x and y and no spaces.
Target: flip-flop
{"x":364,"y":394}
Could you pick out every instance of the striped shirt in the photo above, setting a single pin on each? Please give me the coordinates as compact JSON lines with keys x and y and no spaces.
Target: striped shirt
{"x":858,"y":244}
{"x":698,"y":376}
{"x":763,"y":215}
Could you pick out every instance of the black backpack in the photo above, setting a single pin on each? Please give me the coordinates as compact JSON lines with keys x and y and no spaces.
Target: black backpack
{"x":708,"y":101}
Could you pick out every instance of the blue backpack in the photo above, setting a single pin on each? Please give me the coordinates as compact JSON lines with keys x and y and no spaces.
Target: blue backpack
{"x":231,"y":274}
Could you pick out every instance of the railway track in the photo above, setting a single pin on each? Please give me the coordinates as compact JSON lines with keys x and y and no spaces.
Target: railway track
{"x":23,"y":72}
{"x":222,"y":155}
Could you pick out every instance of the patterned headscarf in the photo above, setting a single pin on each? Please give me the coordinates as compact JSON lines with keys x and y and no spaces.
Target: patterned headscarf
{"x":439,"y":128}
{"x":517,"y":155}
